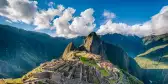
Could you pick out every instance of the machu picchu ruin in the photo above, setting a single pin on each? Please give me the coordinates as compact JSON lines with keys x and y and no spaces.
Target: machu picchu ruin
{"x":86,"y":64}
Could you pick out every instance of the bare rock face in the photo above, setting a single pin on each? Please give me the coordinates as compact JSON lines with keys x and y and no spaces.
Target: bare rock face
{"x":84,"y":65}
{"x":69,"y":48}
{"x":85,"y":71}
{"x":94,"y":44}
{"x":114,"y":53}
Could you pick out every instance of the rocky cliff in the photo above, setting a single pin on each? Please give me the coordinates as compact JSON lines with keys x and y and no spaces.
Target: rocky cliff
{"x":113,"y":53}
{"x":86,"y":64}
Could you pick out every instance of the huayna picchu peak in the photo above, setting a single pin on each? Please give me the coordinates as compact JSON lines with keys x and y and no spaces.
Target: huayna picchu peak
{"x":86,"y":64}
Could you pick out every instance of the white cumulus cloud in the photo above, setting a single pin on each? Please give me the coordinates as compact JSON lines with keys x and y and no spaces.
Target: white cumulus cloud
{"x":62,"y":23}
{"x":84,"y":24}
{"x":79,"y":26}
{"x":18,"y":10}
{"x":60,"y":19}
{"x":43,"y":18}
{"x":109,"y":15}
{"x":156,"y":26}
{"x":65,"y":24}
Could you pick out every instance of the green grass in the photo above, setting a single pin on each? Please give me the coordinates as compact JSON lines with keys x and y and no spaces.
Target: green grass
{"x":150,"y":64}
{"x":29,"y":75}
{"x":13,"y":81}
{"x":88,"y":62}
{"x":93,"y":63}
{"x":40,"y":82}
{"x":103,"y":72}
{"x":148,"y":59}
{"x":152,"y":50}
{"x":132,"y":79}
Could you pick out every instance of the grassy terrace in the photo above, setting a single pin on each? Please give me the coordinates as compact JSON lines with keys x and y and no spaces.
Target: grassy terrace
{"x":94,"y":64}
{"x":13,"y":81}
{"x":30,"y":74}
{"x":20,"y":80}
{"x":105,"y":73}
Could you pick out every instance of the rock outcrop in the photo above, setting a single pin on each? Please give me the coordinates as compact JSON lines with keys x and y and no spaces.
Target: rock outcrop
{"x":69,"y":48}
{"x":83,"y":69}
{"x":113,"y":53}
{"x":93,"y":44}
{"x":85,"y":65}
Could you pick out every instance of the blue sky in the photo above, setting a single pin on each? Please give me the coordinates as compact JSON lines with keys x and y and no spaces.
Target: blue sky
{"x":129,"y":12}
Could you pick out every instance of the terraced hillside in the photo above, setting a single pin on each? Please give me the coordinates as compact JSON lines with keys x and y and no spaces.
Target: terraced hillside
{"x":86,"y":64}
{"x":80,"y":67}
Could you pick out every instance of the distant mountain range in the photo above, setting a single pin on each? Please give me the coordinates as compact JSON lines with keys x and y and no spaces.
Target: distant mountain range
{"x":133,"y":45}
{"x":85,"y":64}
{"x":21,"y":51}
{"x":154,"y":60}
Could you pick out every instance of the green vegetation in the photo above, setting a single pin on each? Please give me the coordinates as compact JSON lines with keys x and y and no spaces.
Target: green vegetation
{"x":30,"y":74}
{"x":14,"y":81}
{"x":96,"y":81}
{"x":153,"y":58}
{"x":103,"y":72}
{"x":154,"y":38}
{"x":89,"y":62}
{"x":153,"y":49}
{"x":150,"y":64}
{"x":132,"y":79}
{"x":27,"y":76}
{"x":40,"y":82}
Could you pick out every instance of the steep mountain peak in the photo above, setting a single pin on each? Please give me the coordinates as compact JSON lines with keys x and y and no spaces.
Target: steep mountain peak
{"x":92,"y":37}
{"x":94,"y":44}
{"x":80,"y":67}
{"x":70,"y":47}
{"x":92,"y":34}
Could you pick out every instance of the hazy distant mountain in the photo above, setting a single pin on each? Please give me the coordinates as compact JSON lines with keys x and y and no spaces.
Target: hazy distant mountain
{"x":86,"y":64}
{"x":113,"y":53}
{"x":156,"y":52}
{"x":22,"y":50}
{"x":133,"y":45}
{"x":155,"y":58}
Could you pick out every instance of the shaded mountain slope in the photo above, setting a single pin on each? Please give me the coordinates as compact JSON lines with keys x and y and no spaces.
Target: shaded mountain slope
{"x":21,"y":50}
{"x":154,"y":60}
{"x":75,"y":67}
{"x":155,"y":40}
{"x":133,"y":45}
{"x":115,"y":54}
{"x":155,"y":56}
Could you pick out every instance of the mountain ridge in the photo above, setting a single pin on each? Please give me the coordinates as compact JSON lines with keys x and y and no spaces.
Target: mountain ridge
{"x":69,"y":68}
{"x":23,"y":50}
